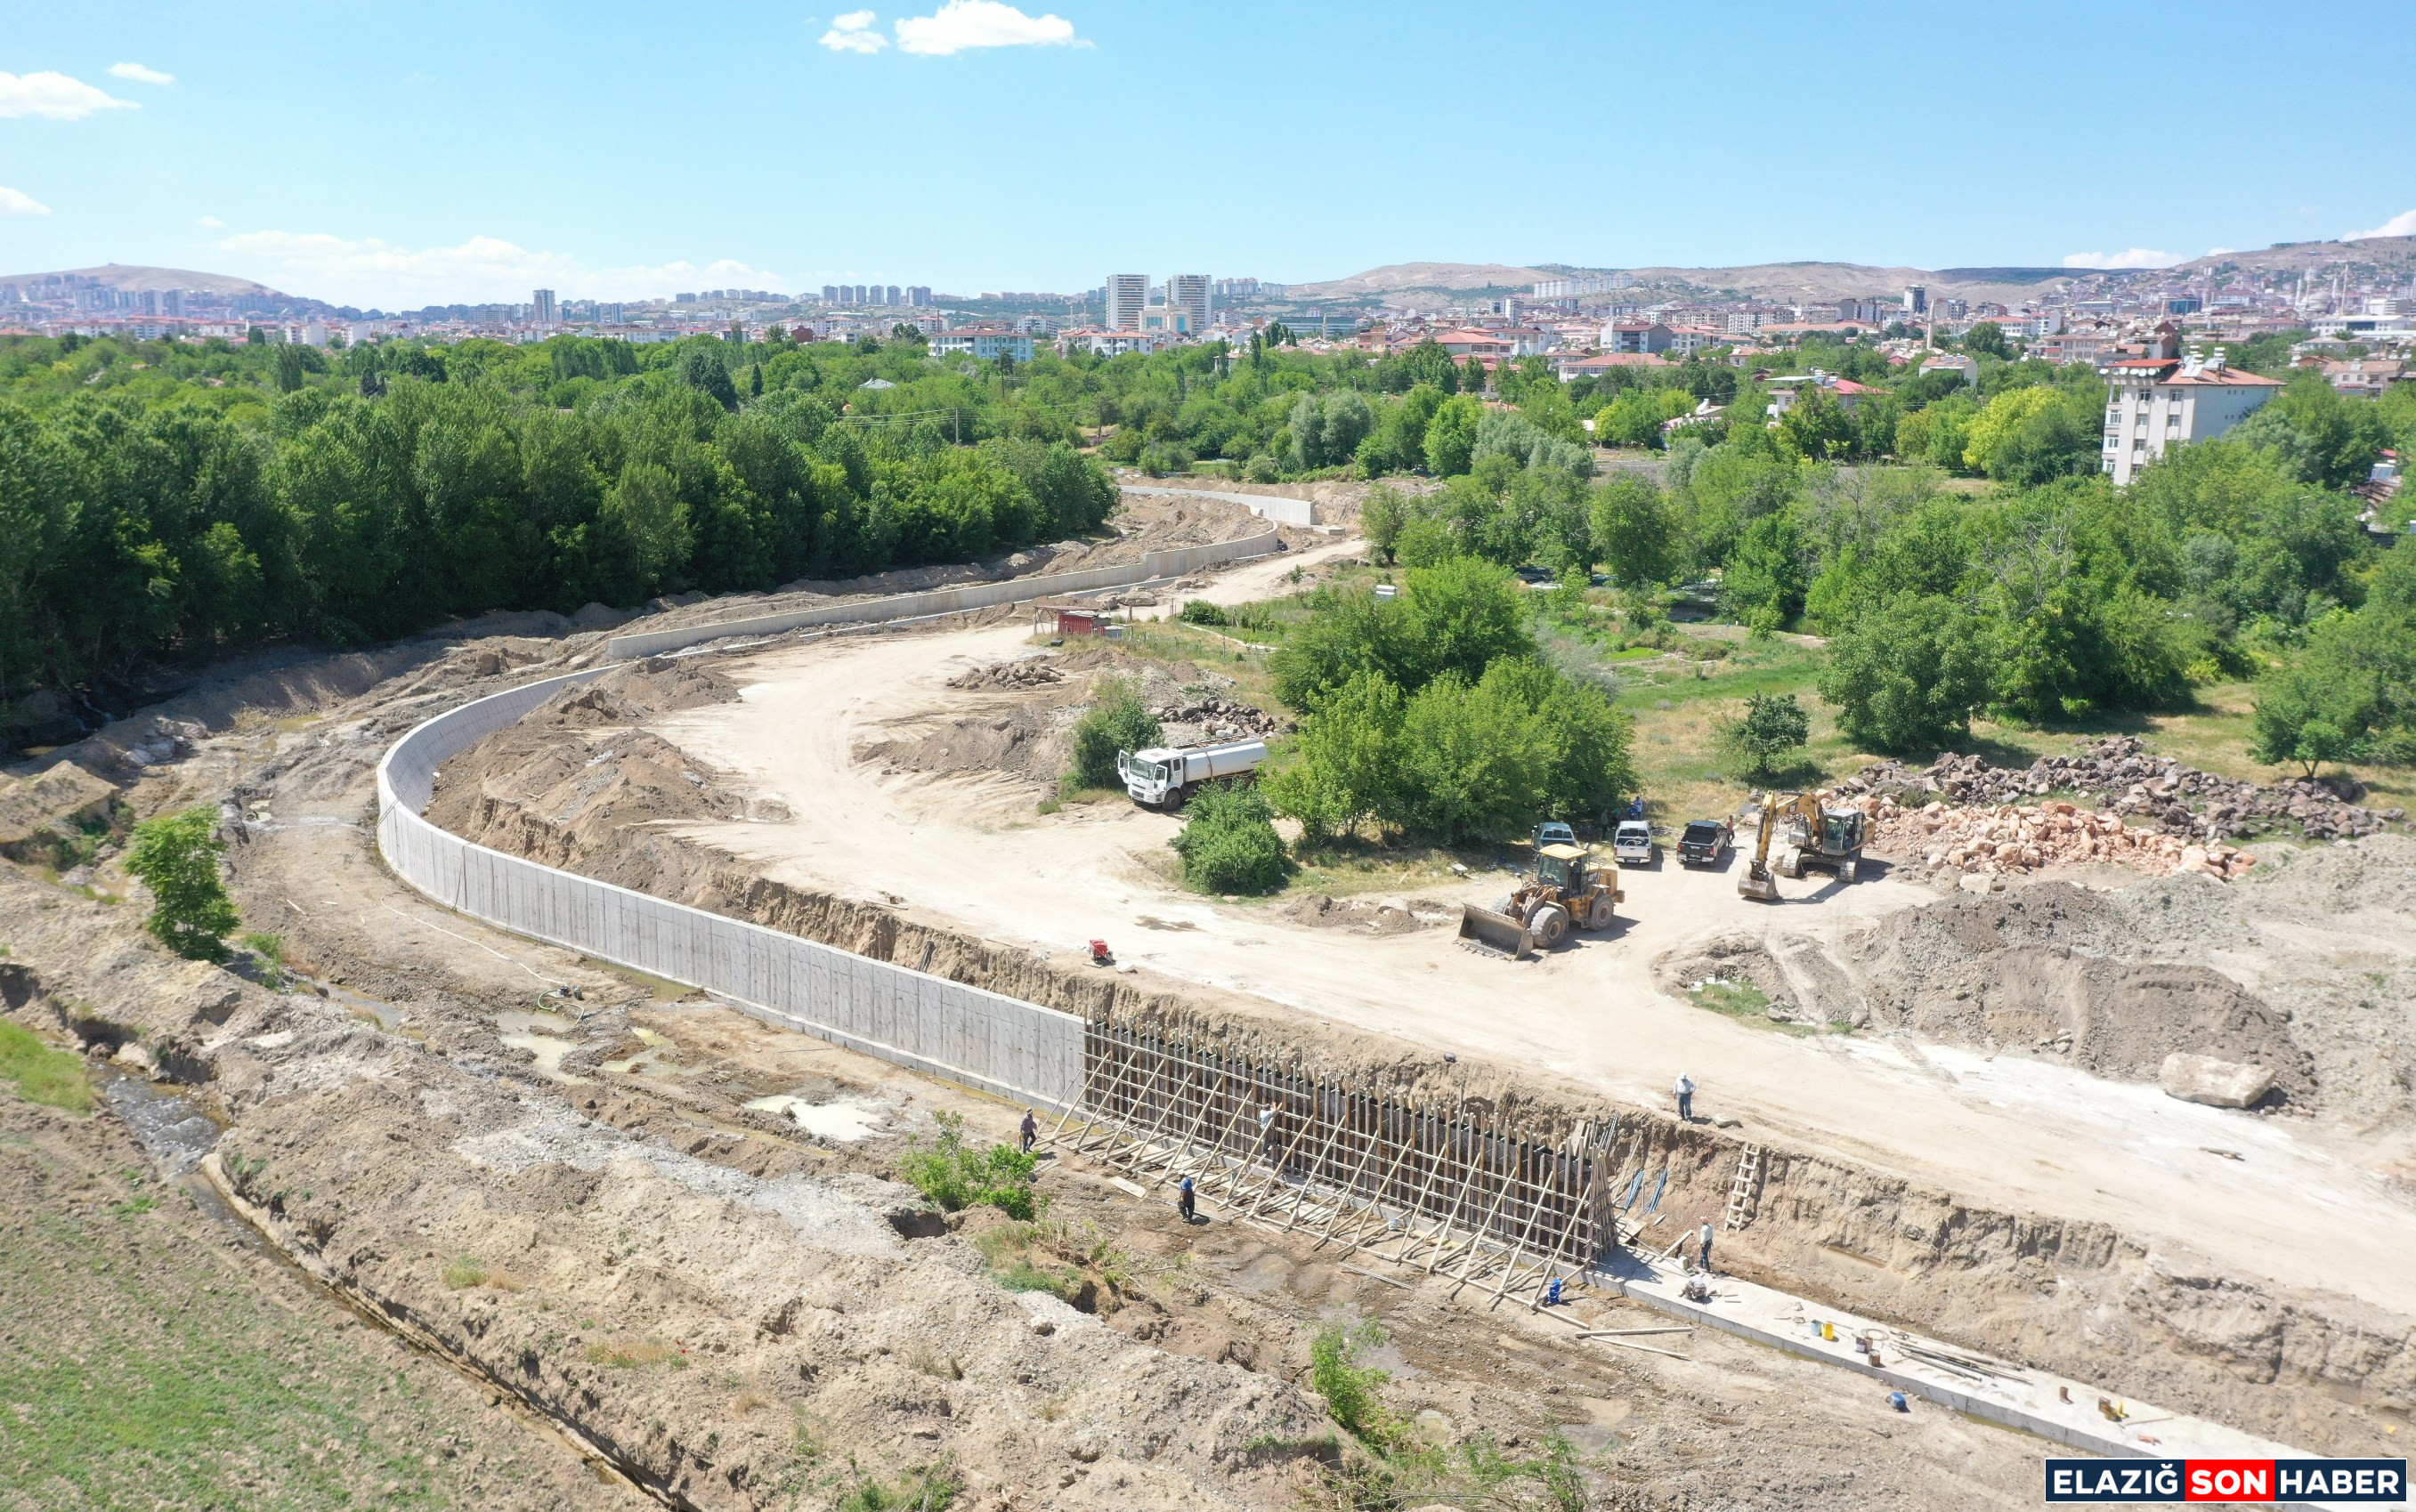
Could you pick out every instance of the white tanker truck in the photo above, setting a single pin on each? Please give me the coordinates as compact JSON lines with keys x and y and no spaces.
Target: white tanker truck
{"x":1162,"y":776}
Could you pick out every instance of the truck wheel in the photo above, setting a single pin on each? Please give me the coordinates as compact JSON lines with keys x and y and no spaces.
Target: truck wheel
{"x":1549,"y":924}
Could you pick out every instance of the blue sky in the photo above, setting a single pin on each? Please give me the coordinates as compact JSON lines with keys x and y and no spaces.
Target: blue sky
{"x":379,"y":152}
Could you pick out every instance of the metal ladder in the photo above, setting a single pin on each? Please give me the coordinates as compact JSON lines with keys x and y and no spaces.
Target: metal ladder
{"x":1745,"y":1190}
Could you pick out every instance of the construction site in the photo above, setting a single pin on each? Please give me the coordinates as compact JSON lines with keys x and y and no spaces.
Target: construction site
{"x":625,"y":963}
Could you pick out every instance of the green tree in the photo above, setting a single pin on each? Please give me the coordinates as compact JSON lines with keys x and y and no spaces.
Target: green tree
{"x":2314,"y":711}
{"x":1380,"y":517}
{"x":1987,"y":339}
{"x":176,"y":856}
{"x":1341,"y":770}
{"x":701,"y":368}
{"x":1118,"y":720}
{"x":2031,"y":435}
{"x":1771,"y":728}
{"x":1634,"y":532}
{"x":1229,"y":843}
{"x":1451,"y":435}
{"x":1909,"y":673}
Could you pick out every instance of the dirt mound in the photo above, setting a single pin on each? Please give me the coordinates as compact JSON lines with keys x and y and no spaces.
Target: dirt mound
{"x":1375,"y":916}
{"x":1022,"y":672}
{"x":1027,"y":739}
{"x":633,"y":692}
{"x":2121,"y":775}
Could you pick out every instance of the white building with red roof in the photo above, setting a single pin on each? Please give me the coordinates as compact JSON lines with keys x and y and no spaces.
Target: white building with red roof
{"x":2153,"y":403}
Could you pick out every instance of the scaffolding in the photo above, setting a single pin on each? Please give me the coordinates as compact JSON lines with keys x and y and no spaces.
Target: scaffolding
{"x":1438,"y":1189}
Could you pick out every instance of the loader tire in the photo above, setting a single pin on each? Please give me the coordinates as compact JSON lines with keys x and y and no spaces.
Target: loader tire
{"x":1549,"y":924}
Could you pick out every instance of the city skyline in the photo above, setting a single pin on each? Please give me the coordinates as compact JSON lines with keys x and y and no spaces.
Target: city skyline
{"x":470,"y":176}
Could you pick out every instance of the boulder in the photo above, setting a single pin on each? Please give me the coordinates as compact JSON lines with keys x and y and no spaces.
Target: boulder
{"x":2218,"y":1083}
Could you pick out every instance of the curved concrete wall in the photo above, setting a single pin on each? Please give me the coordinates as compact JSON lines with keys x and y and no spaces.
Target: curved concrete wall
{"x":1276,"y":507}
{"x":1172,"y":562}
{"x":981,"y":1038}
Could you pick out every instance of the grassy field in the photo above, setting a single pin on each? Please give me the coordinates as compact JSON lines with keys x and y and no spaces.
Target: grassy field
{"x":145,"y":1363}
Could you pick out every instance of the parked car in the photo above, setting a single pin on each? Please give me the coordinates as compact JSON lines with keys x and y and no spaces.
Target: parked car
{"x":1554,"y":832}
{"x":1632,"y":842}
{"x":1705,"y":843}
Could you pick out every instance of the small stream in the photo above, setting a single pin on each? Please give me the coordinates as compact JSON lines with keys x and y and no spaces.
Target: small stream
{"x":175,"y":1133}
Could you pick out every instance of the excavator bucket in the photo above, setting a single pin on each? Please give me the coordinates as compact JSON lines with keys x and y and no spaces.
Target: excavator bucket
{"x":1764,"y":886}
{"x":1497,"y":933}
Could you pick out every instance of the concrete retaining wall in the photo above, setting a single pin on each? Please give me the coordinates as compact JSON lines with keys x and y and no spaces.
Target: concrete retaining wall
{"x":1171,"y":562}
{"x":945,"y":1028}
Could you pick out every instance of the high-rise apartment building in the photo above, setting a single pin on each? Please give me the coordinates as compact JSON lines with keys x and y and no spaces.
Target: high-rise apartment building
{"x":542,"y":309}
{"x":1127,"y":296}
{"x":1916,"y":300}
{"x":919,"y":296}
{"x":1187,"y":296}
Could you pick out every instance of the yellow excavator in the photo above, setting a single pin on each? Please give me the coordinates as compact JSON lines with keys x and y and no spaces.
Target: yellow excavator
{"x":1572,"y":888}
{"x":1811,"y":832}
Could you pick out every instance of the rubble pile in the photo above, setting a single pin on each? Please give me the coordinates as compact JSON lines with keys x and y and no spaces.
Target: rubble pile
{"x":2120,"y":774}
{"x":1995,"y":840}
{"x":1024,"y":672}
{"x":1221,"y":719}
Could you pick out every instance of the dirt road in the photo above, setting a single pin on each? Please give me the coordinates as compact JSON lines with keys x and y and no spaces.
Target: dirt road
{"x":2298,"y":1206}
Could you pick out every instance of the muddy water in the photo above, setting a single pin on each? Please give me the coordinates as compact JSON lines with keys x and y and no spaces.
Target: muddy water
{"x":175,"y":1133}
{"x":544,"y":1038}
{"x":841,"y":1122}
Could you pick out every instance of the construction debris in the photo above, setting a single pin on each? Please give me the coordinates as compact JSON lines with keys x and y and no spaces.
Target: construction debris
{"x":1219,"y":718}
{"x":2000,"y":840}
{"x":1022,"y":672}
{"x":2120,"y":774}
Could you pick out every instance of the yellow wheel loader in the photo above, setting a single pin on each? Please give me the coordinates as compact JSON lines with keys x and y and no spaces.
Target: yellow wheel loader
{"x":1572,"y":890}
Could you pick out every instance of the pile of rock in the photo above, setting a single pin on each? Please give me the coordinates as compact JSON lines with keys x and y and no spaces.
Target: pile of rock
{"x":1023,"y":672}
{"x":1991,"y":841}
{"x":2121,"y":775}
{"x":1219,"y":719}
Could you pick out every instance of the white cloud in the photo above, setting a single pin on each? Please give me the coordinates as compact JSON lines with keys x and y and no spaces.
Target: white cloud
{"x":18,"y":202}
{"x":2137,"y":257}
{"x":211,"y":223}
{"x":482,"y":269}
{"x":53,"y":97}
{"x":2221,"y":251}
{"x":854,"y":33}
{"x":960,"y":25}
{"x":139,"y":74}
{"x":2402,"y":224}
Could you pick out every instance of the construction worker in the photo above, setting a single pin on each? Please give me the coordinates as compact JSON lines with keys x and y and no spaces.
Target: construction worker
{"x":1030,"y":1129}
{"x":1189,"y":1202}
{"x":1703,"y":1236}
{"x":1684,"y":1088}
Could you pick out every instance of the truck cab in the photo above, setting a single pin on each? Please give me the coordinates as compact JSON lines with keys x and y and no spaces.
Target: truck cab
{"x":1150,"y":776}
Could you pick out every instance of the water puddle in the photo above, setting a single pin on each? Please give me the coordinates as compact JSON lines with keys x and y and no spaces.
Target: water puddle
{"x":841,"y":1122}
{"x":655,"y":1060}
{"x":544,"y":1038}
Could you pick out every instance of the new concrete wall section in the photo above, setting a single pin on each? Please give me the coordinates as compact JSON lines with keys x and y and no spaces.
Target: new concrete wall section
{"x":1171,"y":562}
{"x":945,"y":1028}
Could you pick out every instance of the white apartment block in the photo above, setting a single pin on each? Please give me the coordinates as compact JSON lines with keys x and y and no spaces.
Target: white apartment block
{"x":1127,"y":296}
{"x":2152,"y":403}
{"x":1188,"y":293}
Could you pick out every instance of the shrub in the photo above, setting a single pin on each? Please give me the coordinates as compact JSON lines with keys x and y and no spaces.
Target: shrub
{"x":52,"y":1077}
{"x":1230,"y":843}
{"x":1261,"y":469}
{"x":1199,"y":611}
{"x":176,"y":856}
{"x":1771,"y":725}
{"x":1117,"y":720}
{"x":954,"y":1175}
{"x":1353,"y":1391}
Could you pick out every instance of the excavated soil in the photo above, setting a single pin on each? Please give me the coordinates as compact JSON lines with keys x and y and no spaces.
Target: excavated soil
{"x":2081,"y":1297}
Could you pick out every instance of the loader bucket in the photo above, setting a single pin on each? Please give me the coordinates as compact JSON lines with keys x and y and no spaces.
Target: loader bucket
{"x":1482,"y":929}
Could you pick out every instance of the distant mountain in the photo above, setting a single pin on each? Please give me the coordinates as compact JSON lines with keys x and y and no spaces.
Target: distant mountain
{"x":2292,"y":256}
{"x":1420,"y":284}
{"x":1416,"y":278}
{"x":127,"y":275}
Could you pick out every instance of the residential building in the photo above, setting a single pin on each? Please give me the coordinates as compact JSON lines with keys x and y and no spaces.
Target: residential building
{"x":982,"y":343}
{"x":1475,"y":343}
{"x":1636,"y":335}
{"x":1916,"y":299}
{"x":2364,"y":376}
{"x":1784,"y":390}
{"x":1685,"y":340}
{"x":2158,"y":402}
{"x":1188,"y":292}
{"x":1572,"y":367}
{"x":1742,"y":323}
{"x":1127,"y":296}
{"x":1110,"y":343}
{"x":1955,"y":362}
{"x":543,"y":312}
